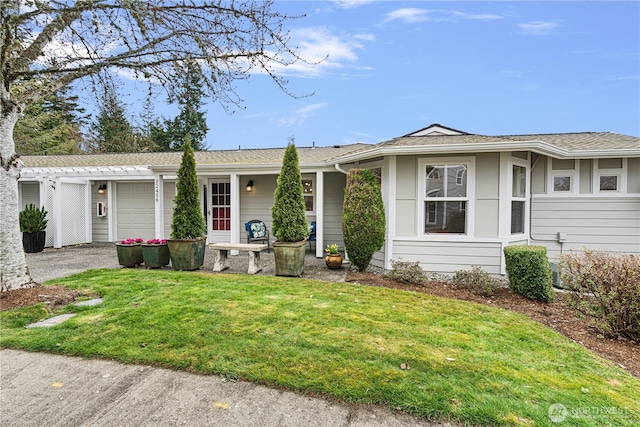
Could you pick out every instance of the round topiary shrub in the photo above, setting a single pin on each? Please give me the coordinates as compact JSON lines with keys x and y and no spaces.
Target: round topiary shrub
{"x":363,"y":218}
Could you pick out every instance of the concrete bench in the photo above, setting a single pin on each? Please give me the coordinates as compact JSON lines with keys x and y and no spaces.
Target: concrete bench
{"x":221,"y":251}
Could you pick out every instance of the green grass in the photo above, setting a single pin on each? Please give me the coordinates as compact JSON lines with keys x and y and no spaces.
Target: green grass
{"x":469,"y":362}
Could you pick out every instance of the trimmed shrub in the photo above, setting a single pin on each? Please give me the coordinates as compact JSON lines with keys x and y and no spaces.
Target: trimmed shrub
{"x":476,"y":280}
{"x":407,"y":272}
{"x":529,"y":272}
{"x":607,"y":287}
{"x":288,"y":211}
{"x":188,"y":221}
{"x":33,"y":219}
{"x":363,"y":219}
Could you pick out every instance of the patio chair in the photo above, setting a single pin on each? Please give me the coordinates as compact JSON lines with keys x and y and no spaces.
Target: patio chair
{"x":257,"y":232}
{"x":312,"y":234}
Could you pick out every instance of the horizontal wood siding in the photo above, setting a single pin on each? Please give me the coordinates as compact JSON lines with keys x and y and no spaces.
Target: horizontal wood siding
{"x":99,"y":224}
{"x":29,"y":193}
{"x":608,"y":224}
{"x":257,"y":204}
{"x":334,"y":184}
{"x":448,"y":257}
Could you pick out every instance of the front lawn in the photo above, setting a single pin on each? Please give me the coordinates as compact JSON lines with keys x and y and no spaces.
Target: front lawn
{"x":432,"y":357}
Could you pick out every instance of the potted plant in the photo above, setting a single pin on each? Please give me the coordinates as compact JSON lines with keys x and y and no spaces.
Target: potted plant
{"x":288,"y":214}
{"x":129,"y":252}
{"x":188,"y":228}
{"x":155,"y":253}
{"x":334,"y":257}
{"x":33,"y":223}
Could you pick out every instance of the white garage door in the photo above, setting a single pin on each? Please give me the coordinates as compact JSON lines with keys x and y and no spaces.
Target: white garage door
{"x":135,"y":210}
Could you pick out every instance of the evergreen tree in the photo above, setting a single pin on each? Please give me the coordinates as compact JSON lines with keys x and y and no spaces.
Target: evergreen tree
{"x":188,"y":220}
{"x":288,"y":211}
{"x":363,"y":218}
{"x":190,"y":121}
{"x":50,"y":126}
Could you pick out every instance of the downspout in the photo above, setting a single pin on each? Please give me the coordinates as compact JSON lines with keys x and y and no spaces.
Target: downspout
{"x":339,"y":169}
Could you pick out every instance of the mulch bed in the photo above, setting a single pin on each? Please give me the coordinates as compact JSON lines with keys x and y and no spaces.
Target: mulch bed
{"x":557,"y":315}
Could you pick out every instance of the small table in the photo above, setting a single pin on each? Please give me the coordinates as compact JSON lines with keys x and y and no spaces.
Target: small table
{"x":221,"y":251}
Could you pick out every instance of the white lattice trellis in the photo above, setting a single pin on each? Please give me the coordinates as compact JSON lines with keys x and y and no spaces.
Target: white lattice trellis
{"x":73,"y":222}
{"x":49,"y":187}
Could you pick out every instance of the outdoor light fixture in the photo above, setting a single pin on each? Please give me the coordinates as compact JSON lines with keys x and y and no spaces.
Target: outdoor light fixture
{"x":250,"y":185}
{"x":102,"y":188}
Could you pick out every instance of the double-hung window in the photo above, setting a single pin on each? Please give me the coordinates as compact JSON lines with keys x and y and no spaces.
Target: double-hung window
{"x":518,"y":199}
{"x":446,"y":195}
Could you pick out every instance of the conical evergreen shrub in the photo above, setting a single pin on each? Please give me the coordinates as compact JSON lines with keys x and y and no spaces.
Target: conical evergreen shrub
{"x":288,"y":211}
{"x":188,"y":220}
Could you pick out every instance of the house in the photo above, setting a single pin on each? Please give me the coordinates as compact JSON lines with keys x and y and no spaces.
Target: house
{"x":453,"y":199}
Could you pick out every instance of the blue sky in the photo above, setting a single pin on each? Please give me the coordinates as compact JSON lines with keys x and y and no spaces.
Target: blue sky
{"x":393,"y":67}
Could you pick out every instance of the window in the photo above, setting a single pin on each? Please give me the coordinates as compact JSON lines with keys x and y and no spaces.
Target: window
{"x":609,"y":175}
{"x":446,"y":198}
{"x":562,"y":183}
{"x":307,"y":189}
{"x":608,"y":182}
{"x":518,"y":199}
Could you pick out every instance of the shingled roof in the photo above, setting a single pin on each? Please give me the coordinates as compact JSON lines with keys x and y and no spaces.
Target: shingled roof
{"x":252,"y":157}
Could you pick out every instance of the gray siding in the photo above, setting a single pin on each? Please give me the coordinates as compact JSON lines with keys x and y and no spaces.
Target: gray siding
{"x":607,"y":223}
{"x":487,"y":195}
{"x":448,"y":257}
{"x":169,"y":189}
{"x":406,"y":196}
{"x":257,"y":204}
{"x":99,"y":225}
{"x":29,"y":193}
{"x":334,"y":184}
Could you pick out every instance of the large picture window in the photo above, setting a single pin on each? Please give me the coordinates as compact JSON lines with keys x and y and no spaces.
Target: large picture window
{"x":446,"y":198}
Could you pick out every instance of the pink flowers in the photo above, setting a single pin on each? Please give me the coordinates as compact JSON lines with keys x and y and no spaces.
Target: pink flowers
{"x":157,"y":242}
{"x":130,"y":241}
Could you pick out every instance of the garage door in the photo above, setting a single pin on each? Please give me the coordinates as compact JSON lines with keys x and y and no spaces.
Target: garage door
{"x":135,"y":210}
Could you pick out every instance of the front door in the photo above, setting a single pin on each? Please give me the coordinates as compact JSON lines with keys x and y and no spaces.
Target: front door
{"x":219,"y":211}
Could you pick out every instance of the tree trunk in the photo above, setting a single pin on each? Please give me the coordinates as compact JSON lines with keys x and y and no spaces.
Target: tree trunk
{"x":14,"y":272}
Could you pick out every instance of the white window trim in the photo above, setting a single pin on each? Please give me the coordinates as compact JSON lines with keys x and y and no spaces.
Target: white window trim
{"x":470,"y":199}
{"x":622,"y":179}
{"x":516,"y":161}
{"x":573,"y":173}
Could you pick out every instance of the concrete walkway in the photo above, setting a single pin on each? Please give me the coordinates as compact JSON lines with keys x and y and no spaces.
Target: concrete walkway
{"x":38,"y":389}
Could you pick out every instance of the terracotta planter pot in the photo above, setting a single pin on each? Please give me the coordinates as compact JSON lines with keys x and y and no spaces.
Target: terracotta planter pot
{"x":289,"y":258}
{"x":155,"y":256}
{"x":129,"y":255}
{"x":187,"y":254}
{"x":333,"y":261}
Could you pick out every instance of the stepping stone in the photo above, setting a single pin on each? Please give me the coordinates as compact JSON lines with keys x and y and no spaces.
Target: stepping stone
{"x":51,"y":322}
{"x":89,"y":303}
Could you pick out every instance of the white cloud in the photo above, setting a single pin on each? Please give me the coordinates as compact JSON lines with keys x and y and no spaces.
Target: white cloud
{"x":301,"y":115}
{"x":409,"y":15}
{"x":415,"y":15}
{"x":538,"y":27}
{"x":351,"y":4}
{"x":323,"y":51}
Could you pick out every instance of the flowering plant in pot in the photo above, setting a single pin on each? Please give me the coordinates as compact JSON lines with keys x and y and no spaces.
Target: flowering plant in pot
{"x":155,"y":253}
{"x":334,"y":257}
{"x":130,"y":252}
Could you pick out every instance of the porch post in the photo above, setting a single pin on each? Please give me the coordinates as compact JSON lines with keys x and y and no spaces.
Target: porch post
{"x":319,"y":214}
{"x":158,"y":184}
{"x":389,"y":196}
{"x":57,"y":213}
{"x":235,"y":210}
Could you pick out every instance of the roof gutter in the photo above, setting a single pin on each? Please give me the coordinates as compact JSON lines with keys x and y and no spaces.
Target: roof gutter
{"x":339,"y":169}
